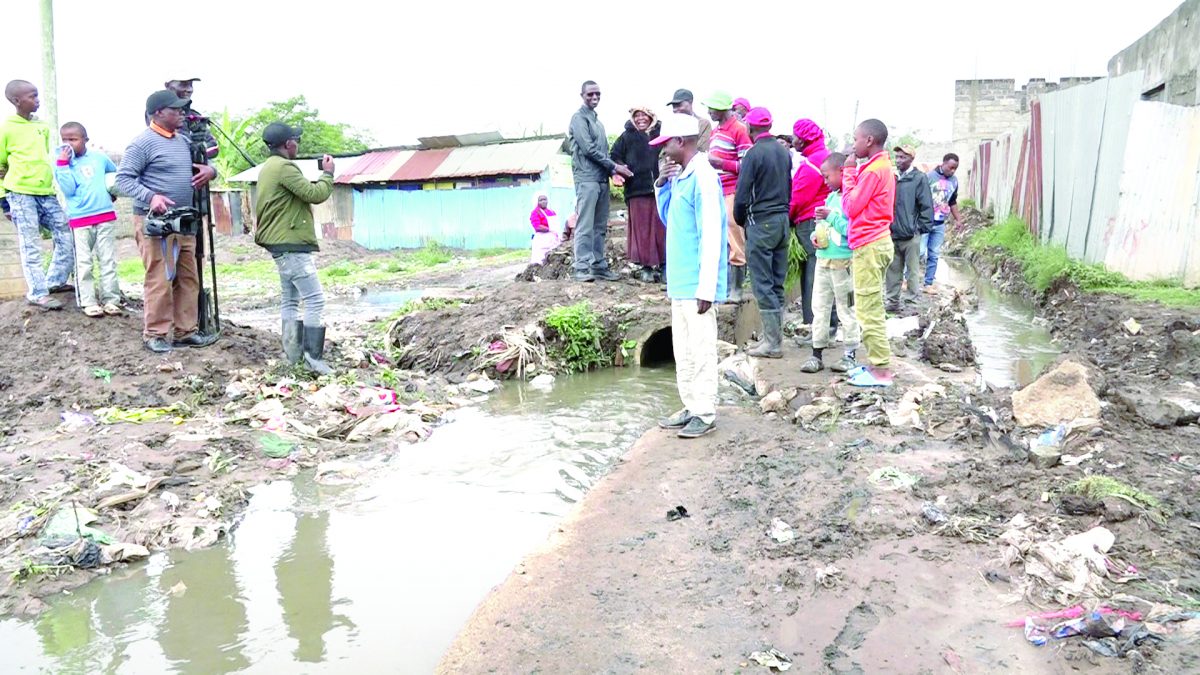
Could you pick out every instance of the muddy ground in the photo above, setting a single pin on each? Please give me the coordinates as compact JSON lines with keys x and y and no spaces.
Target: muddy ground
{"x":237,"y":417}
{"x":869,"y":573}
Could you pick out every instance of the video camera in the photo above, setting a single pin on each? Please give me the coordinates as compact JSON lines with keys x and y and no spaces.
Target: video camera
{"x":183,"y":220}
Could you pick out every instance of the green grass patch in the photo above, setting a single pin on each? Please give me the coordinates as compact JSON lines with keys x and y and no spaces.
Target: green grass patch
{"x":579,"y":331}
{"x":423,"y":305}
{"x":1045,"y":264}
{"x":1099,"y":487}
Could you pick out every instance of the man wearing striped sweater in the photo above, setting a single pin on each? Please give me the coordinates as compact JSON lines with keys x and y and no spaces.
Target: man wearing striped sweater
{"x":158,"y":173}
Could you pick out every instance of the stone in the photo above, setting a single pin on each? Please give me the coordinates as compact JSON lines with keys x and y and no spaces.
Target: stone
{"x":1061,"y":395}
{"x":1151,"y":408}
{"x":777,"y":402}
{"x":1045,"y":456}
{"x":1117,"y":510}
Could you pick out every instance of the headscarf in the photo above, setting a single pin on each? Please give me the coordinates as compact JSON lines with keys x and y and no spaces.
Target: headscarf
{"x":807,"y":130}
{"x":643,"y":109}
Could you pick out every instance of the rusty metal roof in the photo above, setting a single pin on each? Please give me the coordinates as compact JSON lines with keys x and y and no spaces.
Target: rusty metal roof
{"x":499,"y":159}
{"x":375,"y":167}
{"x":517,"y":158}
{"x":421,"y":166}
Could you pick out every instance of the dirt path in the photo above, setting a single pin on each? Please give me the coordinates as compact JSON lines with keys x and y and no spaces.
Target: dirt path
{"x":877,"y":578}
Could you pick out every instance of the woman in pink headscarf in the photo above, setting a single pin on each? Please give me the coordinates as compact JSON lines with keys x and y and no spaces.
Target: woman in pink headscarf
{"x":808,"y":192}
{"x":740,"y":107}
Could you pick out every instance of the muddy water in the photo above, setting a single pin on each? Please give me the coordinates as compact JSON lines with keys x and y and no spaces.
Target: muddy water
{"x":1011,"y":346}
{"x":374,"y":577}
{"x":342,"y":313}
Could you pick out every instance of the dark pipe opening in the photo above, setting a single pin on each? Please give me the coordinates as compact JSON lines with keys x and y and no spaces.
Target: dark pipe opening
{"x":657,"y":349}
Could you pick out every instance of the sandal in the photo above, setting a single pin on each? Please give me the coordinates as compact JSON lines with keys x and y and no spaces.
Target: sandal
{"x":812,"y":365}
{"x":93,"y":311}
{"x":112,"y":309}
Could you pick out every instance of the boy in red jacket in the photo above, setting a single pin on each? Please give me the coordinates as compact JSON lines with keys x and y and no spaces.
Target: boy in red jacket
{"x":868,"y":198}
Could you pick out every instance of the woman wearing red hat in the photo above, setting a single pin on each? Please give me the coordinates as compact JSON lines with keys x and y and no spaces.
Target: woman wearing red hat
{"x":808,"y":192}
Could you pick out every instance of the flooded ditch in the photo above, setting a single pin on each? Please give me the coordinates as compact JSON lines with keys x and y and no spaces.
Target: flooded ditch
{"x":372,"y":576}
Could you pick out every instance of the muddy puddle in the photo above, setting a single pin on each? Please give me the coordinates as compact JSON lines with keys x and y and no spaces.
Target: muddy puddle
{"x":371,"y":577}
{"x":346,"y":312}
{"x":1011,"y":346}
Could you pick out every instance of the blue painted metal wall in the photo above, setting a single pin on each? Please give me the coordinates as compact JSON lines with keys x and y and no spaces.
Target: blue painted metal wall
{"x":470,"y":219}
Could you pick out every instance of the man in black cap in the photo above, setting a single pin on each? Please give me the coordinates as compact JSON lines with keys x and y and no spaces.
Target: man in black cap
{"x":283,"y":209}
{"x":681,"y":103}
{"x":157,"y":173}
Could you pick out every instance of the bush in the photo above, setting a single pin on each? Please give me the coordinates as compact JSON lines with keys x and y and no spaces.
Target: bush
{"x":579,"y":331}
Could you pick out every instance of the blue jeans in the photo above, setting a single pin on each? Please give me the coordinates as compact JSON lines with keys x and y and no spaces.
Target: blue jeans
{"x":32,"y":213}
{"x":298,"y":282}
{"x":931,"y":247}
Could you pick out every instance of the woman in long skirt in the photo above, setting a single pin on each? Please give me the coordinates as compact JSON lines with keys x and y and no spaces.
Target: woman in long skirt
{"x":646,"y":236}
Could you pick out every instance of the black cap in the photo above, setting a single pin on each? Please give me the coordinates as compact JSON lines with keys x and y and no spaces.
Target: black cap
{"x":681,"y":95}
{"x":165,"y":99}
{"x":278,"y":133}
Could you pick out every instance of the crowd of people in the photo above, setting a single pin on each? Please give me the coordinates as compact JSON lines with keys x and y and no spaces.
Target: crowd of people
{"x":164,"y":171}
{"x":729,"y":196}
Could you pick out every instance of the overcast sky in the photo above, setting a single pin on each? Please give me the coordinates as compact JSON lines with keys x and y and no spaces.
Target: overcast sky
{"x":401,"y":70}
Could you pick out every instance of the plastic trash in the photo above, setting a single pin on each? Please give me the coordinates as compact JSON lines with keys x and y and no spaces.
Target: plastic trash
{"x":932,"y":514}
{"x":772,"y":658}
{"x":1035,"y":634}
{"x":678,"y":513}
{"x":781,"y":531}
{"x":275,"y":446}
{"x":73,"y":421}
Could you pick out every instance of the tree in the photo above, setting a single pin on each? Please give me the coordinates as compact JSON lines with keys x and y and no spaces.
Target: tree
{"x":320,"y":137}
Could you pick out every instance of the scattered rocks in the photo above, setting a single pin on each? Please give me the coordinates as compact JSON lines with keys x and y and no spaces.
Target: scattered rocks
{"x":1061,"y":395}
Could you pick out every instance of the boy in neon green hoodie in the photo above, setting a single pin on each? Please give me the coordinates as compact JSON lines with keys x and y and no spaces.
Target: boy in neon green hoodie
{"x":29,"y":184}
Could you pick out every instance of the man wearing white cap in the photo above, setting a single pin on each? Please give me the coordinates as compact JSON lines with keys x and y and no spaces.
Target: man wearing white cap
{"x":691,"y":203}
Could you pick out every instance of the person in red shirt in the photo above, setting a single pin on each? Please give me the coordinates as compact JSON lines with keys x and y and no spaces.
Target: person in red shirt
{"x":808,"y":192}
{"x":730,"y":143}
{"x":869,"y":199}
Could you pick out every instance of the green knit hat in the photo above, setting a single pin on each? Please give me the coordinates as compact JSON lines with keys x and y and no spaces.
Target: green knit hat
{"x":719,"y":101}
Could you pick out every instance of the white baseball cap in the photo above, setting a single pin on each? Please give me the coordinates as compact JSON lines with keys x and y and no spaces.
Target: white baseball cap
{"x":677,"y":125}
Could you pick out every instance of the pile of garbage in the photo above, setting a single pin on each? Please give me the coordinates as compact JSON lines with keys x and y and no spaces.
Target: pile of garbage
{"x":560,"y":262}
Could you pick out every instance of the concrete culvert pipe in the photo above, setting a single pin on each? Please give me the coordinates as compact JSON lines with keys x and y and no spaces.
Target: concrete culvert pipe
{"x":654,"y":348}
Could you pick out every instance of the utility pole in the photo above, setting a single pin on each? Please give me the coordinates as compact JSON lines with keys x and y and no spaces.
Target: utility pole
{"x":49,"y":88}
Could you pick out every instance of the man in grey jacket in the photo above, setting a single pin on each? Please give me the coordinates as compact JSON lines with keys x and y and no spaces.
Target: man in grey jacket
{"x":591,"y":168}
{"x":913,"y":218}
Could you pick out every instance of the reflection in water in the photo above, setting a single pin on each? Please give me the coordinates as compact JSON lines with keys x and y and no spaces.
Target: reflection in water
{"x":1012,"y":348}
{"x":203,"y":626}
{"x":376,"y":577}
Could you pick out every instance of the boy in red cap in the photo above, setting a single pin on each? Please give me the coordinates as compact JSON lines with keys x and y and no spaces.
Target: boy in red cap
{"x":869,"y":198}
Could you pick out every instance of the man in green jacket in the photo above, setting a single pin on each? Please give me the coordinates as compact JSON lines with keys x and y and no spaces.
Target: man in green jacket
{"x":285,"y":228}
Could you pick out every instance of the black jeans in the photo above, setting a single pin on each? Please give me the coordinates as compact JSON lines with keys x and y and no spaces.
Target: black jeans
{"x":804,"y":230}
{"x":767,"y":259}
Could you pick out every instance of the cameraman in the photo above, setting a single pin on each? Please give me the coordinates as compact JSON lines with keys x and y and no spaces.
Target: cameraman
{"x":285,"y":228}
{"x":158,"y":173}
{"x":183,"y":88}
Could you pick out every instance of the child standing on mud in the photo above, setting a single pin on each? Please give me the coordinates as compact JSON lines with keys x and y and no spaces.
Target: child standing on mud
{"x":80,"y":175}
{"x":29,"y":183}
{"x":869,"y":199}
{"x":545,"y":237}
{"x":832,"y":282}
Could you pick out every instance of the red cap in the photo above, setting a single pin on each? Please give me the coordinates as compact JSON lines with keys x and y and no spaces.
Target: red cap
{"x":759,"y":117}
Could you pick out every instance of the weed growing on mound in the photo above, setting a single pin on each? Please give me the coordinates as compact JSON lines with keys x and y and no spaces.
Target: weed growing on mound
{"x":579,"y":332}
{"x":1043,"y":265}
{"x":797,"y":256}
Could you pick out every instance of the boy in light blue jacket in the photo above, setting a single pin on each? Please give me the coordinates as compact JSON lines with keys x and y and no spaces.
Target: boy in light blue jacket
{"x":833,"y":285}
{"x":81,"y":177}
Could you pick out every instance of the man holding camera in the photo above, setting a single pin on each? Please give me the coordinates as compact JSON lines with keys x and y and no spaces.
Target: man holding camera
{"x":284,"y":199}
{"x":158,"y":174}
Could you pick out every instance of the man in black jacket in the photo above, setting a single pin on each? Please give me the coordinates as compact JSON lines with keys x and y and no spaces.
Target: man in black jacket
{"x":591,"y":169}
{"x":763,"y":193}
{"x":914,"y":217}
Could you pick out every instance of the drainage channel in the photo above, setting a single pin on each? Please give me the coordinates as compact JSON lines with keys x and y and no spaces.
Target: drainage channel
{"x":1011,"y":345}
{"x":373,"y":577}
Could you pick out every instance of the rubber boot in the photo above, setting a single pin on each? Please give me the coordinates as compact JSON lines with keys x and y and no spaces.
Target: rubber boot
{"x":293,"y":340}
{"x":736,"y":277}
{"x":314,"y":349}
{"x":771,"y":346}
